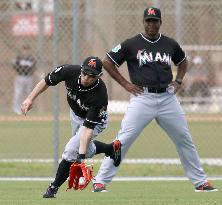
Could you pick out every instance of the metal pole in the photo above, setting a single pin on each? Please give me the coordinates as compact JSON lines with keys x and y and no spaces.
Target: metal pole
{"x":178,"y":18}
{"x":40,"y":43}
{"x":75,"y":33}
{"x":56,"y":90}
{"x":41,"y":24}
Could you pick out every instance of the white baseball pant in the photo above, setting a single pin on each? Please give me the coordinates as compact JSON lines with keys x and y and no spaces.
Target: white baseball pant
{"x":167,"y":111}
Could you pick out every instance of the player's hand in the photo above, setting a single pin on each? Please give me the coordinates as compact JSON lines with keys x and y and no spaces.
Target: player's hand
{"x":79,"y":161}
{"x":26,"y":106}
{"x":175,"y":85}
{"x":134,"y":89}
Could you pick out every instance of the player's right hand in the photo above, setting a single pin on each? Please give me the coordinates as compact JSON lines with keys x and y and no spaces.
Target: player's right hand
{"x":134,"y":89}
{"x":26,"y":106}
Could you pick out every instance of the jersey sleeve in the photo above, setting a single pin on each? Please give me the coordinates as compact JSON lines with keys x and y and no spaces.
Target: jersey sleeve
{"x":118,"y":54}
{"x":58,"y":75}
{"x":95,"y":116}
{"x":179,"y":55}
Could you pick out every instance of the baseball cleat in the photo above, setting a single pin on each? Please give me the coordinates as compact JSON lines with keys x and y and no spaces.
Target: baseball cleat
{"x":116,"y":153}
{"x":206,"y":187}
{"x":98,"y":187}
{"x":51,"y":192}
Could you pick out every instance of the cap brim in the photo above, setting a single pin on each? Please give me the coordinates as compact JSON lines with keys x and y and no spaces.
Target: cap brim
{"x":152,"y":17}
{"x":91,"y":71}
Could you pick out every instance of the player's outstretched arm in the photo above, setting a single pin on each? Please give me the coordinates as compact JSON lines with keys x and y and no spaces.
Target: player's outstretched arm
{"x":85,"y":138}
{"x":28,"y":102}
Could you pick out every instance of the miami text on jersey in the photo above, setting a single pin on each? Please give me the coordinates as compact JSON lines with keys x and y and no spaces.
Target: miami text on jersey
{"x":82,"y":106}
{"x":144,"y":57}
{"x":78,"y":101}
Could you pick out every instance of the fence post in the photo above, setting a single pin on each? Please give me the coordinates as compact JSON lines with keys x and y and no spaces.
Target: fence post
{"x":75,"y":32}
{"x":56,"y":89}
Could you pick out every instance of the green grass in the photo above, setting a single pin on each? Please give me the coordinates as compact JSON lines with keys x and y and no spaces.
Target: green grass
{"x":46,"y":170}
{"x":34,"y":140}
{"x":119,"y":193}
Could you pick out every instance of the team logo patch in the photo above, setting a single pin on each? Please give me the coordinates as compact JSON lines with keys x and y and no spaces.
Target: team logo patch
{"x":116,"y":49}
{"x":151,"y":12}
{"x":92,"y":63}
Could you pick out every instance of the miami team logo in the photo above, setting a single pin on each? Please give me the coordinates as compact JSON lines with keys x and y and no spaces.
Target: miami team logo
{"x":145,"y":57}
{"x":92,"y":63}
{"x":151,"y":12}
{"x":116,"y":49}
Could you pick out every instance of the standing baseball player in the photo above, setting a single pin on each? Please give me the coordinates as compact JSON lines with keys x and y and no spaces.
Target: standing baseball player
{"x":87,"y":98}
{"x":25,"y":65}
{"x":148,"y":56}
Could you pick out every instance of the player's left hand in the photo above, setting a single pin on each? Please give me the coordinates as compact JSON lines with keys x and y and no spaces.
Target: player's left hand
{"x":176,"y":86}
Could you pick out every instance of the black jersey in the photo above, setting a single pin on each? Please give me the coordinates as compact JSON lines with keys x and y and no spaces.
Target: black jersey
{"x":149,"y":62}
{"x":89,"y":103}
{"x":24,"y":66}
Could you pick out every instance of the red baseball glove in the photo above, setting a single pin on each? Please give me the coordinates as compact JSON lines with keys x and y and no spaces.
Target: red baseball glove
{"x":79,"y":176}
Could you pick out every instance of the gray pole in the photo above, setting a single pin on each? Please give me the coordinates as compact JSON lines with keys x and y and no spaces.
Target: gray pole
{"x":75,"y":33}
{"x":41,"y":24}
{"x":55,"y":89}
{"x":178,"y":18}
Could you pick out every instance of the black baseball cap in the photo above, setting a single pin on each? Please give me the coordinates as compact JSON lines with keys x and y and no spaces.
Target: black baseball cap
{"x":92,"y":66}
{"x":152,"y":13}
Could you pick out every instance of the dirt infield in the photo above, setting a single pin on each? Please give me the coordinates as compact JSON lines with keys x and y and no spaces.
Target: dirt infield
{"x":18,"y":118}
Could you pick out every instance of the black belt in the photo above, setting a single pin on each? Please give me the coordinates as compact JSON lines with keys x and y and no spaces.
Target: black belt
{"x":155,"y":90}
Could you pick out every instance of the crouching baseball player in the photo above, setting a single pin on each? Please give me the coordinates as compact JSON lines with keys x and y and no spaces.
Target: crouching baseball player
{"x":88,"y":100}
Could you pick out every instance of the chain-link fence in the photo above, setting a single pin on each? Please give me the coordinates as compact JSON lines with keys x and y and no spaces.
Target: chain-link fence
{"x":66,"y":31}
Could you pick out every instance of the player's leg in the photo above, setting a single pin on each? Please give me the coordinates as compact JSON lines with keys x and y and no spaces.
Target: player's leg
{"x":76,"y":122}
{"x":28,"y":85}
{"x":61,"y":176}
{"x":18,"y":94}
{"x":172,"y":119}
{"x":72,"y":147}
{"x":71,"y":152}
{"x":140,"y":112}
{"x":112,"y":150}
{"x":69,"y":155}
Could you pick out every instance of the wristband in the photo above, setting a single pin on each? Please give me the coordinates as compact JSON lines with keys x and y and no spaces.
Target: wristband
{"x":178,"y":81}
{"x":81,"y":156}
